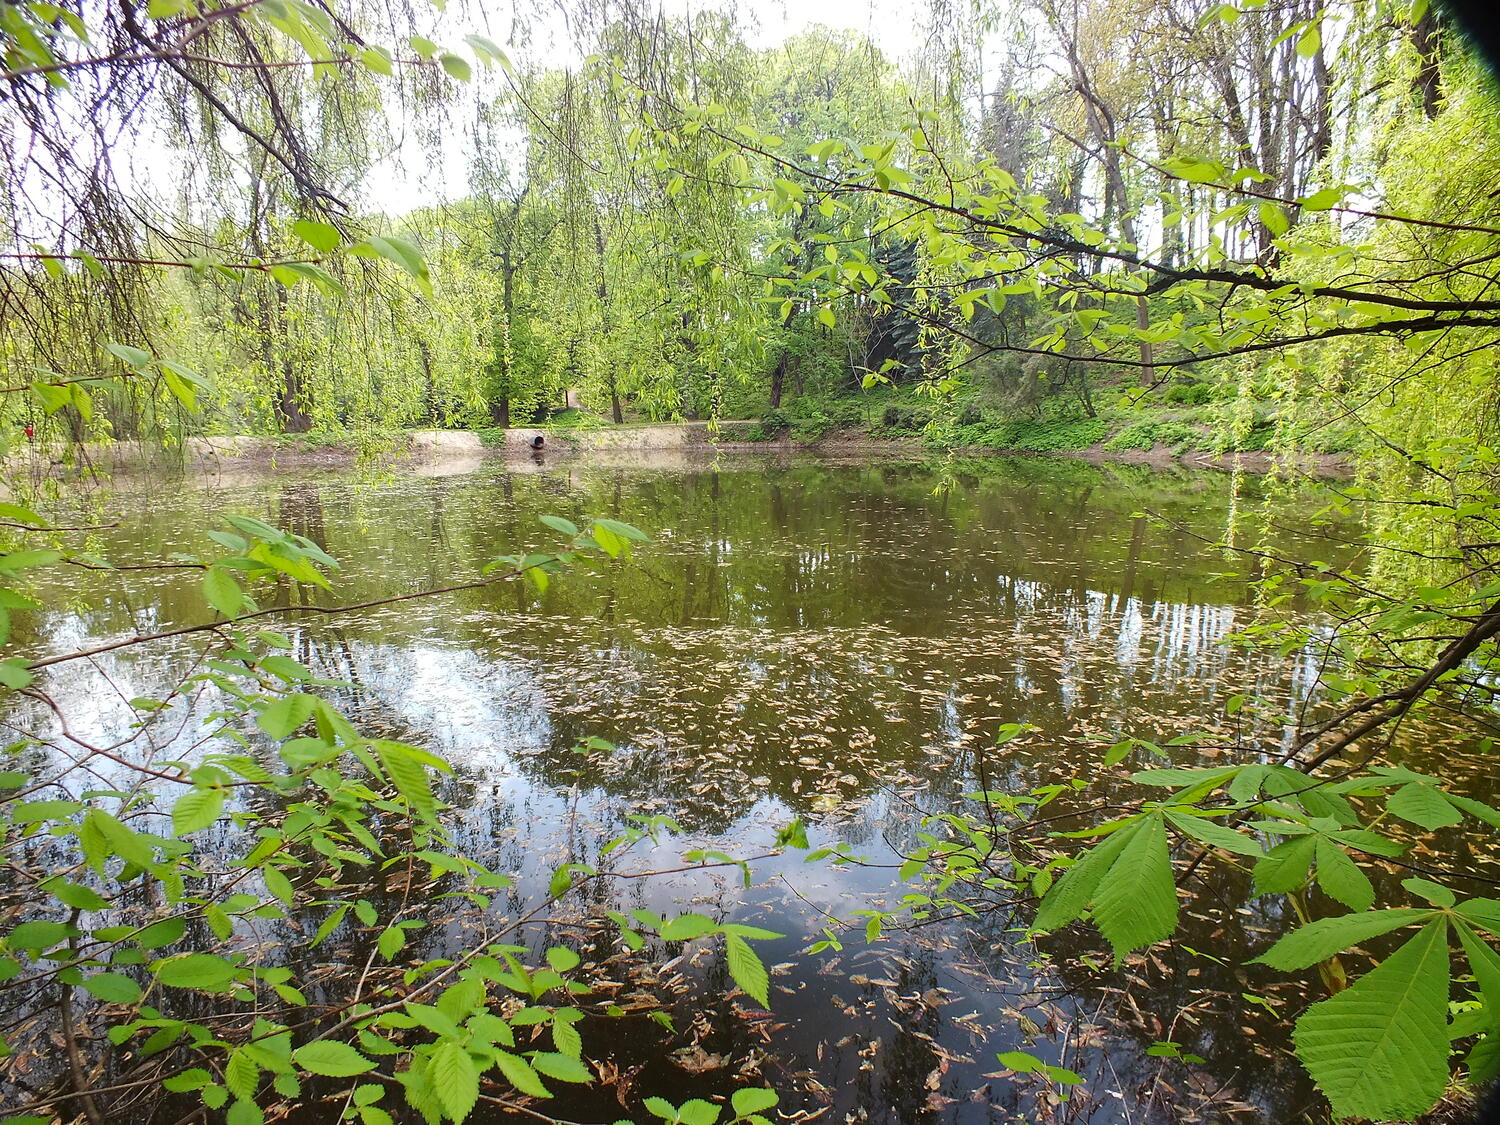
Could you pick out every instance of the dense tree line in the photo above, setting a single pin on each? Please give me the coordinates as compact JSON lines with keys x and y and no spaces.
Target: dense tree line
{"x":683,"y":226}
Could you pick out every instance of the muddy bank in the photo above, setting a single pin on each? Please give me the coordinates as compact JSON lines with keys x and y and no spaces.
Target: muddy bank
{"x":1259,"y":462}
{"x":449,"y":452}
{"x":420,"y":451}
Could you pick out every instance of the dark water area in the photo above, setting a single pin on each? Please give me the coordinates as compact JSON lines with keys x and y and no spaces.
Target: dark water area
{"x":836,"y":642}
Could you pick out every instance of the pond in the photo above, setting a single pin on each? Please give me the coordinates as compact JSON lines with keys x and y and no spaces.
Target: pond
{"x":839,"y":642}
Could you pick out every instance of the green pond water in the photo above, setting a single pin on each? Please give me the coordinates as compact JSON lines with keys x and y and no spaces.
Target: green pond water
{"x":839,"y":642}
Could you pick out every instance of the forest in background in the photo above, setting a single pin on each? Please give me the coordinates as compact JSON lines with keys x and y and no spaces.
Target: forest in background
{"x":682,"y":226}
{"x":1264,"y":225}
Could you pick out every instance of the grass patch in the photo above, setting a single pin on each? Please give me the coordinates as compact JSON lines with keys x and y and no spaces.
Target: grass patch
{"x":1031,"y":436}
{"x":565,"y":420}
{"x":1145,"y":436}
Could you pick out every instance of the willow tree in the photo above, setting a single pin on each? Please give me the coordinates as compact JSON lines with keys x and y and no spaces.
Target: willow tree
{"x":818,"y":85}
{"x":509,"y":235}
{"x":258,"y":120}
{"x":605,"y":251}
{"x":693,"y":322}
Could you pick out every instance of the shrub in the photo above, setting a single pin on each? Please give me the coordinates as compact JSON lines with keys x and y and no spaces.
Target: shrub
{"x":576,"y":420}
{"x":810,"y":427}
{"x":988,"y":435}
{"x":1179,"y":435}
{"x":847,"y":413}
{"x":1259,"y":438}
{"x":774,"y":422}
{"x":1190,"y":394}
{"x":1057,"y":436}
{"x":1137,"y":435}
{"x":1336,"y":439}
{"x":1147,"y":435}
{"x":905,"y":418}
{"x":970,"y":415}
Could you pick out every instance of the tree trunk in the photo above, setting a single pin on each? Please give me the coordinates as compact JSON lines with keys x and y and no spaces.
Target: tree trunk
{"x":616,"y":412}
{"x":1322,"y":139}
{"x":1148,"y":352}
{"x":508,"y":225}
{"x":1425,"y":84}
{"x":429,"y":382}
{"x":500,"y":408}
{"x":1102,"y":126}
{"x":778,"y":376}
{"x":290,"y":398}
{"x":290,"y":403}
{"x":1171,"y":235}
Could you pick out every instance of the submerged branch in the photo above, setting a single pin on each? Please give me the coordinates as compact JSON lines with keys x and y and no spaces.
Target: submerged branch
{"x":214,"y":626}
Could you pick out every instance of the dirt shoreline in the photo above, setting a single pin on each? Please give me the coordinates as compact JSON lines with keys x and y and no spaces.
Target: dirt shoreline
{"x":1258,"y":462}
{"x":447,"y":452}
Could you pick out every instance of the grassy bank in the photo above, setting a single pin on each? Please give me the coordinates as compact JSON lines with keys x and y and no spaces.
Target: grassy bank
{"x":1183,"y":420}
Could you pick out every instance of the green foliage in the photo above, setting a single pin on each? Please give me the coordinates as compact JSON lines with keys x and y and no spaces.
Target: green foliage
{"x":1189,"y":394}
{"x":1023,"y":1062}
{"x":343,"y":800}
{"x":773,"y":424}
{"x":1030,"y":436}
{"x":809,"y":419}
{"x":813,"y":425}
{"x":745,"y":1105}
{"x":570,"y":420}
{"x":1147,"y":435}
{"x":1299,"y":832}
{"x":905,"y":419}
{"x":491,"y":437}
{"x":1138,"y":436}
{"x":1393,"y":1023}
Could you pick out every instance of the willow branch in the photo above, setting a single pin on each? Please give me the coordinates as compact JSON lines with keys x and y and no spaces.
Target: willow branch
{"x":1165,"y":275}
{"x":1485,"y":628}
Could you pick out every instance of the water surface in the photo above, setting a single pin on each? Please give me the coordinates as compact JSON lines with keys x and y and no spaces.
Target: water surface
{"x":836,"y":642}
